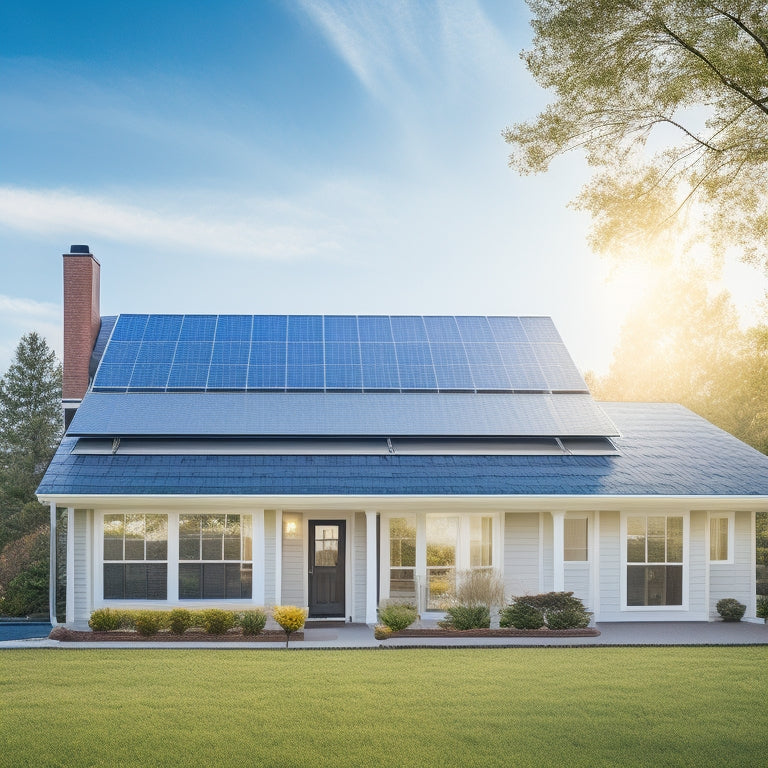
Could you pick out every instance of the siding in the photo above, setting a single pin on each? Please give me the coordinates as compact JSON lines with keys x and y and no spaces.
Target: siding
{"x":577,"y":580}
{"x":269,"y":558}
{"x":734,"y":580}
{"x":293,"y":570}
{"x":697,"y":565}
{"x":358,"y":567}
{"x":82,"y":579}
{"x":610,"y":567}
{"x":521,"y":553}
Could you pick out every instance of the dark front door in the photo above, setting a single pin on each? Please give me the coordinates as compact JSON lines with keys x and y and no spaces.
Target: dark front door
{"x":326,"y":567}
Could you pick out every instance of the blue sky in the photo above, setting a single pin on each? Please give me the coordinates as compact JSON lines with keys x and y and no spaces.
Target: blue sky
{"x":268,"y":156}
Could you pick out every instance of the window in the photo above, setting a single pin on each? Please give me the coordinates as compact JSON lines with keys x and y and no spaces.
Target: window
{"x":719,"y":538}
{"x":215,"y":554}
{"x":135,"y":557}
{"x":457,"y":542}
{"x":575,"y":547}
{"x":402,"y":558}
{"x":654,"y":560}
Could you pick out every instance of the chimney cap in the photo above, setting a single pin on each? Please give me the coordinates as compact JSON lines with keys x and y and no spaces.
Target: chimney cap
{"x":79,"y":249}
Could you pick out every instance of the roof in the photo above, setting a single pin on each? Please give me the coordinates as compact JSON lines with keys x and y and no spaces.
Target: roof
{"x":664,"y":450}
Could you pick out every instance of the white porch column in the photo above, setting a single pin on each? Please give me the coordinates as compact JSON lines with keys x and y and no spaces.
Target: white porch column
{"x":172,"y":588}
{"x":370,"y":567}
{"x":52,"y":570}
{"x":558,"y":550}
{"x":421,"y":562}
{"x":278,"y":596}
{"x":257,"y":595}
{"x":70,"y":565}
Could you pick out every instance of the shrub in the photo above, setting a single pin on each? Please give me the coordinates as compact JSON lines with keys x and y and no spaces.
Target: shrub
{"x":467,"y":617}
{"x":521,"y":616}
{"x":567,"y":619}
{"x":179,"y":620}
{"x":480,"y":587}
{"x":290,"y":618}
{"x":398,"y":616}
{"x":762,"y":607}
{"x":148,"y":623}
{"x":217,"y":622}
{"x":553,"y":601}
{"x":252,"y":622}
{"x":730,"y":609}
{"x":382,"y":632}
{"x":106,"y":620}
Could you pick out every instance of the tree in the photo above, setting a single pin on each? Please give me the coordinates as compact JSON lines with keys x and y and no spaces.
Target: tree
{"x":30,"y":428}
{"x":691,"y":76}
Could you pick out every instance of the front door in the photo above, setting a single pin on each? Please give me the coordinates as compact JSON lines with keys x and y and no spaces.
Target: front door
{"x":326,"y":567}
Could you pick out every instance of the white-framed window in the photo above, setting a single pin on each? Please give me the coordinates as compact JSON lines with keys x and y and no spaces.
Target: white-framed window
{"x":654,"y":556}
{"x":402,"y":558}
{"x":576,"y":539}
{"x":721,"y":532}
{"x":459,"y":542}
{"x":135,"y":556}
{"x":215,"y":556}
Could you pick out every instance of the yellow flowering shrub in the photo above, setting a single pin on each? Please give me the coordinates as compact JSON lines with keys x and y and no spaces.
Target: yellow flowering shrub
{"x":290,"y":618}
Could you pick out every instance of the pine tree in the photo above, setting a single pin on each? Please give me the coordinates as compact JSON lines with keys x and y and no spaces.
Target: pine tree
{"x":30,"y":428}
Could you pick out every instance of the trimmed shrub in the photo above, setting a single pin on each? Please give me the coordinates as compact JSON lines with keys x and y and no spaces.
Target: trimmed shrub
{"x":106,"y":620}
{"x":148,"y":623}
{"x":467,"y":617}
{"x":521,"y":616}
{"x":382,"y":632}
{"x":567,"y":619}
{"x":553,"y":601}
{"x":179,"y":620}
{"x":217,"y":622}
{"x":290,"y":618}
{"x":252,"y":622}
{"x":398,"y":616}
{"x":730,"y":609}
{"x":762,"y":607}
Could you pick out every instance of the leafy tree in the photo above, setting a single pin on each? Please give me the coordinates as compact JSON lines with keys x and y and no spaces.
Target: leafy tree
{"x":691,"y":76}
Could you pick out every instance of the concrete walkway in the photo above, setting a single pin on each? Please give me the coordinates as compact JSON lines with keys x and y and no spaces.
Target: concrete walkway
{"x":352,"y":636}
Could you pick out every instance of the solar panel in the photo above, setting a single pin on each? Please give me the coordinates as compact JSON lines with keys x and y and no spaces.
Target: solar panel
{"x":336,"y":352}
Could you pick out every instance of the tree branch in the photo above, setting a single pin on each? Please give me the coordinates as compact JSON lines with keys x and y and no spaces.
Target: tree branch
{"x":739,"y":23}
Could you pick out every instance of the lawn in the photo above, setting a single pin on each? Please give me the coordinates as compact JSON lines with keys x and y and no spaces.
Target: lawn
{"x":461,"y":707}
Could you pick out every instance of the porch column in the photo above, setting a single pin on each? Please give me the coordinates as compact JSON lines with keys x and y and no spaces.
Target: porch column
{"x":52,"y":570}
{"x":278,"y":596}
{"x":257,"y":548}
{"x":370,"y":567}
{"x":558,"y":550}
{"x":70,"y":565}
{"x":422,"y":587}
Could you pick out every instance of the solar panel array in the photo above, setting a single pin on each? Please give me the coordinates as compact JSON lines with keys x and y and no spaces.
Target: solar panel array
{"x":378,"y":353}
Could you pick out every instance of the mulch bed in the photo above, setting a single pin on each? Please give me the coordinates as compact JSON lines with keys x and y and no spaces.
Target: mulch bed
{"x":435,"y":632}
{"x":235,"y":636}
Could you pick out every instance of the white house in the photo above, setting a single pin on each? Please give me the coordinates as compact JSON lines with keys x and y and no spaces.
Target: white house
{"x":334,"y":461}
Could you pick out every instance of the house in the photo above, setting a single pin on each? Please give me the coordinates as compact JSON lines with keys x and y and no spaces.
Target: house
{"x":336,"y":461}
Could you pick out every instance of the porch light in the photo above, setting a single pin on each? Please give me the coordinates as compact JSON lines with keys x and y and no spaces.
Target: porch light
{"x":290,"y":528}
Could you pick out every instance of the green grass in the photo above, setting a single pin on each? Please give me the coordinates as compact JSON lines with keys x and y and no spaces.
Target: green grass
{"x":492,"y":707}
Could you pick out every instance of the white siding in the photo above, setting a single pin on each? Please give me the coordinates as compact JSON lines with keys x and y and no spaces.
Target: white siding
{"x":577,"y":580}
{"x":697,"y":565}
{"x":293,"y":570}
{"x":269,"y":558}
{"x":610,"y":565}
{"x":734,"y":580}
{"x":358,"y":567}
{"x":521,"y":553}
{"x":81,"y":576}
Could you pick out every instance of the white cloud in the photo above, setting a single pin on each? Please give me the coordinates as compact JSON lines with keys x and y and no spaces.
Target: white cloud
{"x":239,"y":229}
{"x":28,"y":308}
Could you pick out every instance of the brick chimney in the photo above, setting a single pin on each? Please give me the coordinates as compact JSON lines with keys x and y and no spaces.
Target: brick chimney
{"x":82,"y":320}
